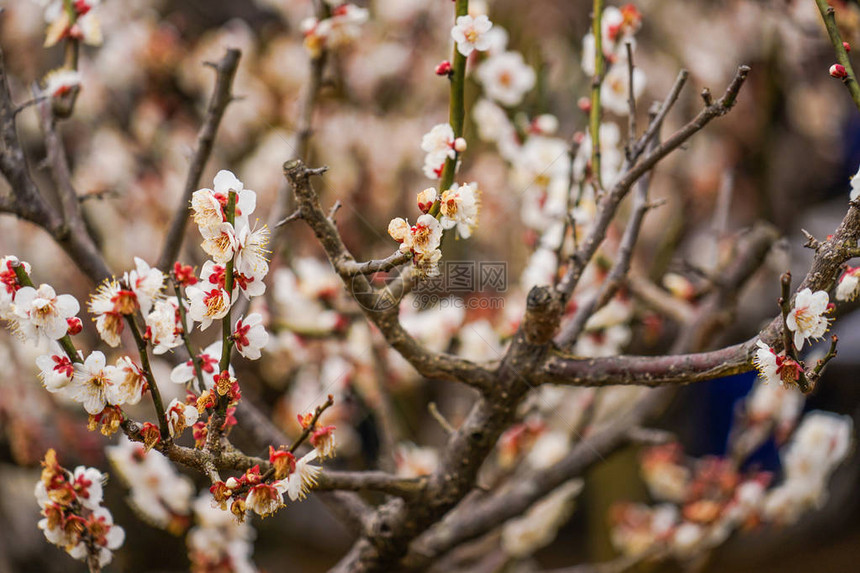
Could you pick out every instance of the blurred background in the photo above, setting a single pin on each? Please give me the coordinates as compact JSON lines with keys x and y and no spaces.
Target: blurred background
{"x":784,"y":155}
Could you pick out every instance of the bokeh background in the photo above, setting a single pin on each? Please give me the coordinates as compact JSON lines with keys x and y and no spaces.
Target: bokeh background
{"x":784,"y":155}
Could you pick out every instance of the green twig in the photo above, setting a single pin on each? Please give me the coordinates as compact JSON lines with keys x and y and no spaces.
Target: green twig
{"x":829,"y":17}
{"x":150,"y":379}
{"x":597,"y":80}
{"x":456,"y":109}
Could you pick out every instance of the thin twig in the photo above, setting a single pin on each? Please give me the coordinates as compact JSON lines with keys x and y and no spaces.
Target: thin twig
{"x":294,"y":216}
{"x":437,"y":415}
{"x":828,"y":14}
{"x":631,"y":101}
{"x":221,"y":97}
{"x":596,"y":81}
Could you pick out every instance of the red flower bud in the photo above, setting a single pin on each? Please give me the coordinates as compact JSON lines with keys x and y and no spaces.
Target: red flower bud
{"x":75,"y":325}
{"x":838,"y":71}
{"x":444,"y":69}
{"x":847,"y":46}
{"x":184,"y":274}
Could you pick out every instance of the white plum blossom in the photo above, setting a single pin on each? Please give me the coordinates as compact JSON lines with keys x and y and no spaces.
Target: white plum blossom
{"x":774,"y":402}
{"x":251,"y":252}
{"x":220,"y":242}
{"x":439,"y":140}
{"x":819,"y":445}
{"x":471,"y":34}
{"x":218,"y":540}
{"x":304,"y":477}
{"x":540,"y":270}
{"x":265,"y":499}
{"x":164,"y":325}
{"x":615,"y":90}
{"x":42,"y":313}
{"x":687,"y":539}
{"x":207,"y":303}
{"x":9,"y":286}
{"x":498,"y":40}
{"x":90,"y":481}
{"x":603,"y":342}
{"x":86,"y":26}
{"x":539,"y":525}
{"x":109,"y":305}
{"x":157,"y":490}
{"x":55,"y":370}
{"x":179,"y":417}
{"x":316,"y":279}
{"x":494,"y":126}
{"x":94,"y":384}
{"x":208,"y":205}
{"x":209,"y":360}
{"x":398,"y":228}
{"x":250,"y":336}
{"x":304,"y":311}
{"x":130,"y":382}
{"x":340,"y":29}
{"x":146,"y":283}
{"x":61,"y":81}
{"x":765,"y":362}
{"x":459,"y":208}
{"x":849,"y":285}
{"x":855,"y":186}
{"x":421,"y":240}
{"x":112,"y":538}
{"x":807,"y":318}
{"x":506,"y":78}
{"x":440,"y":144}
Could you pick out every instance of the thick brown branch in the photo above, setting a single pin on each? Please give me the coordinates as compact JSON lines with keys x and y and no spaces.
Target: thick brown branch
{"x":26,"y":200}
{"x":371,"y":481}
{"x":353,"y":268}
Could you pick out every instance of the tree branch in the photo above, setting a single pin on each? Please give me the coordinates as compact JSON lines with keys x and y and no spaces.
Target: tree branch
{"x":828,"y":15}
{"x":383,"y":313}
{"x":222,"y":95}
{"x":609,"y":203}
{"x":27,"y":201}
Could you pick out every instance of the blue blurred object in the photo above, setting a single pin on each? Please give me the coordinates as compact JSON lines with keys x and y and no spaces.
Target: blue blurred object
{"x":712,"y":404}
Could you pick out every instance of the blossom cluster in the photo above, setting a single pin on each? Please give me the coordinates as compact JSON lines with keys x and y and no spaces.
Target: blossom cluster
{"x":705,"y":501}
{"x":340,"y":28}
{"x":253,"y":491}
{"x":157,"y":491}
{"x":807,"y":320}
{"x":167,"y":499}
{"x":73,"y":515}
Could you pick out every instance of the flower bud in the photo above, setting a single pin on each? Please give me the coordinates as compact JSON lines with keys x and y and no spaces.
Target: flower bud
{"x":444,"y":69}
{"x":398,"y":229}
{"x":584,"y":104}
{"x":232,"y":483}
{"x":838,"y":71}
{"x":546,"y":124}
{"x":425,"y":201}
{"x":847,"y":46}
{"x":459,"y":145}
{"x":75,"y":325}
